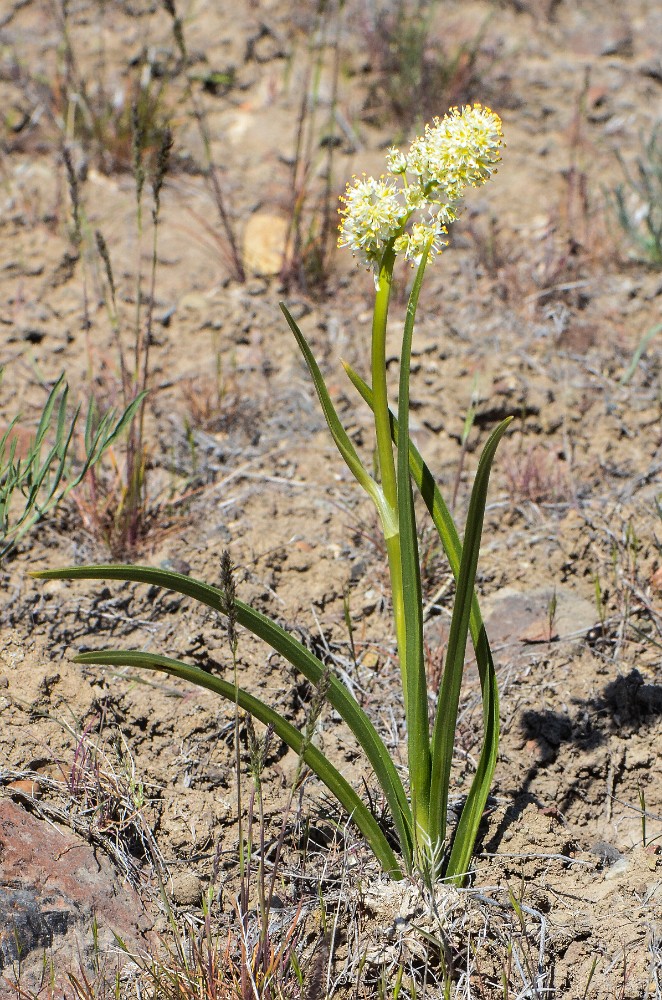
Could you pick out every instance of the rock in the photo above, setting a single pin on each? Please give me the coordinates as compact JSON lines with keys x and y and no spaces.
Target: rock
{"x":264,"y":243}
{"x":53,"y":885}
{"x":617,"y":869}
{"x":265,"y":46}
{"x":186,"y":889}
{"x":607,"y":853}
{"x":542,"y":615}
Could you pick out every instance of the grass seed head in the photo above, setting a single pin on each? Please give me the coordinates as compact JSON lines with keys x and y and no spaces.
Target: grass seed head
{"x":228,"y":587}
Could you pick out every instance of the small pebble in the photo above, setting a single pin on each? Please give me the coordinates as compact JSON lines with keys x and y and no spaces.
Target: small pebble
{"x":186,"y":889}
{"x":619,"y":868}
{"x":607,"y":853}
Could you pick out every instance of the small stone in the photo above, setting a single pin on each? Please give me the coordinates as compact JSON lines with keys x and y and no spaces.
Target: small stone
{"x":620,"y":45}
{"x":370,"y":660}
{"x":193,"y":302}
{"x":607,"y":853}
{"x":265,"y":48}
{"x":176,"y":565}
{"x":618,"y":868}
{"x":186,"y":889}
{"x":265,"y":236}
{"x":25,"y":786}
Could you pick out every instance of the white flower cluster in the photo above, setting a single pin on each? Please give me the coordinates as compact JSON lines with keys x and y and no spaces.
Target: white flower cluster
{"x":457,"y":151}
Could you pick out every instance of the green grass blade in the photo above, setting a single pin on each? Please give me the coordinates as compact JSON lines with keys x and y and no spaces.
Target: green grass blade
{"x":641,"y":348}
{"x":293,"y":651}
{"x":313,"y":757}
{"x":62,"y":419}
{"x":443,"y":734}
{"x":98,"y":441}
{"x":35,"y":476}
{"x":49,"y":406}
{"x":62,"y":445}
{"x":107,"y":435}
{"x":418,"y":739}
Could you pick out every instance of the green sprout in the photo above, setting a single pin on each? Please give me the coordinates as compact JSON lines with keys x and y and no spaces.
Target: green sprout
{"x":404,"y":215}
{"x":37,"y":482}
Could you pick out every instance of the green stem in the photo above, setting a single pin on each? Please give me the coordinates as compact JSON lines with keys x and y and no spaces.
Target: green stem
{"x":418,"y":732}
{"x":385,"y":453}
{"x":379,"y":387}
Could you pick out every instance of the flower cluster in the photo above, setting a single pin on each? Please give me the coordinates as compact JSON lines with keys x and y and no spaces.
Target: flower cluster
{"x":458,"y":151}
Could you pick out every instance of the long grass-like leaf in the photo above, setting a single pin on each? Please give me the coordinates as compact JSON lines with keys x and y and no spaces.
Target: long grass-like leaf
{"x":293,"y":651}
{"x":457,"y":866}
{"x":418,"y":740}
{"x":313,"y":757}
{"x":443,"y":734}
{"x":110,"y":428}
{"x":47,"y":411}
{"x":338,"y":432}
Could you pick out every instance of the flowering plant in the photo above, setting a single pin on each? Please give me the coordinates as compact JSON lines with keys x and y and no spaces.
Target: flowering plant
{"x":404,"y":215}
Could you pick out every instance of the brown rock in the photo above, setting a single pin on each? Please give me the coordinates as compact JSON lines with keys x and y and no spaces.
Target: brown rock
{"x":265,"y":236}
{"x":52,"y":886}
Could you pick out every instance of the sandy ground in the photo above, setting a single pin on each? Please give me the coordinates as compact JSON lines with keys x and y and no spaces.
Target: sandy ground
{"x":535,"y":310}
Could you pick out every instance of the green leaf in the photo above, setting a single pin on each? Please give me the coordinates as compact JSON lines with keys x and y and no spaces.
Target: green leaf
{"x":338,"y":432}
{"x":466,"y":831}
{"x":49,"y":406}
{"x":418,"y":740}
{"x":443,"y":734}
{"x":313,"y":757}
{"x":288,"y":647}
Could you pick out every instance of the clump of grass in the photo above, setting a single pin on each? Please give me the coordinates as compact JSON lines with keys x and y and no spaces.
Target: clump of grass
{"x":311,"y":208}
{"x":37,"y":471}
{"x":200,"y":962}
{"x":108,"y":794}
{"x":416,"y":69}
{"x":92,"y":109}
{"x":536,"y":474}
{"x":637,"y":202}
{"x":116,"y":509}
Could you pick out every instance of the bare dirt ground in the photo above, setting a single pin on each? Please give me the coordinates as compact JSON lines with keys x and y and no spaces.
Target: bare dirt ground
{"x":535,"y":310}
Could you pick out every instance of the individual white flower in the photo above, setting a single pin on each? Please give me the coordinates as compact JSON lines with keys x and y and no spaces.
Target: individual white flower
{"x":396,"y":161}
{"x":412,"y":245}
{"x":444,"y":213}
{"x":372,"y":215}
{"x":415,"y":197}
